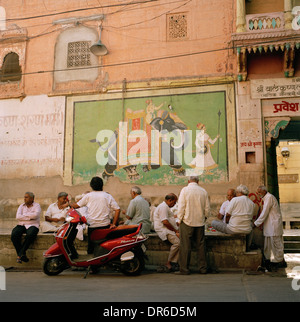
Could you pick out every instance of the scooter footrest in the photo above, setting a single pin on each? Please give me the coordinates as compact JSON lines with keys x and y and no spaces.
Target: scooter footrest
{"x":100,"y":251}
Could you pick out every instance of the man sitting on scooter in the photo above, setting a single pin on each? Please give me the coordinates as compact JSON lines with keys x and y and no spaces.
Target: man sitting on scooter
{"x":99,"y":205}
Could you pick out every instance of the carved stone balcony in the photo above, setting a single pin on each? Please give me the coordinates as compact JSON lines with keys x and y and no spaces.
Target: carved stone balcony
{"x":265,"y":33}
{"x":265,"y":22}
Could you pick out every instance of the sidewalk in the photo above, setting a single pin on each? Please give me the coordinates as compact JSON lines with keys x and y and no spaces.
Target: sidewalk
{"x":150,"y":287}
{"x":113,"y":288}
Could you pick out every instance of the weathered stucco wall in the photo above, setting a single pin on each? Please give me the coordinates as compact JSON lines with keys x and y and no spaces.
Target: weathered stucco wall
{"x":32,"y":137}
{"x":178,"y":48}
{"x":147,"y":41}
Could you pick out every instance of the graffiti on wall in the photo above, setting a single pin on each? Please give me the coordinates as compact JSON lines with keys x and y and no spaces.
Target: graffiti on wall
{"x":152,"y":140}
{"x":32,"y":137}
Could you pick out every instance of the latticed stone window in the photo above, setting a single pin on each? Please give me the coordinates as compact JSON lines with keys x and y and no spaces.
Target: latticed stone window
{"x":177,"y":26}
{"x":79,"y":54}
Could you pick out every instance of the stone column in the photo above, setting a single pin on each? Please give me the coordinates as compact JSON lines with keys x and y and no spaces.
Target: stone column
{"x":2,"y":18}
{"x":240,"y":16}
{"x":288,"y":17}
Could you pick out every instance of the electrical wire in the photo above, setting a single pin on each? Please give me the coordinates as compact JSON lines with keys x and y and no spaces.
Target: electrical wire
{"x":118,"y":11}
{"x":153,"y":18}
{"x":77,"y":10}
{"x":148,"y":60}
{"x":130,"y":6}
{"x":124,"y":7}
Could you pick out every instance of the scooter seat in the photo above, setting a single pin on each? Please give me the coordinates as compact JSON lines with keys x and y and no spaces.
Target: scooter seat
{"x":106,"y":234}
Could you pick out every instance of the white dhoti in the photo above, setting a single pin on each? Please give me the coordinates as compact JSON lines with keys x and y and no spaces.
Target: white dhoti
{"x":47,"y":227}
{"x":273,"y":245}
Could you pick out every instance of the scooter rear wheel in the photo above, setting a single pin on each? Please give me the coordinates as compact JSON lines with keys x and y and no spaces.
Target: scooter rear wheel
{"x":54,"y":265}
{"x":133,"y":267}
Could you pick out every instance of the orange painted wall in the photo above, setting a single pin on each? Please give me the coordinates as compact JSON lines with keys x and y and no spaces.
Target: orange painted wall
{"x":265,"y":65}
{"x":132,"y":33}
{"x":264,"y":6}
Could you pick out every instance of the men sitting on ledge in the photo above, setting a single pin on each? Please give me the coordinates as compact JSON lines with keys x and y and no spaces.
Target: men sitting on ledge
{"x":239,"y":214}
{"x":28,"y":217}
{"x":55,"y":214}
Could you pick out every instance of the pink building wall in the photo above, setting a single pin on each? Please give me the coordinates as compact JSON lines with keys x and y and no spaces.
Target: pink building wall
{"x":132,"y":33}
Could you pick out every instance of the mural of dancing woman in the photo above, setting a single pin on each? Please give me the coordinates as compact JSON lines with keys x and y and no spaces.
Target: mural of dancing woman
{"x":204,"y":160}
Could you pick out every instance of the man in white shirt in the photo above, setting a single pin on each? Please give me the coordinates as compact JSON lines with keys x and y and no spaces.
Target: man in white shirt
{"x":99,"y":205}
{"x":222,"y":213}
{"x":193,"y":208}
{"x":28,"y":216}
{"x":55,"y":214}
{"x":166,"y":228}
{"x":240,"y":212}
{"x":272,"y":229}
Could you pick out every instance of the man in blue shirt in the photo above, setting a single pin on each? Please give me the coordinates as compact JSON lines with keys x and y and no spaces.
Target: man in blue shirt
{"x":138,"y":211}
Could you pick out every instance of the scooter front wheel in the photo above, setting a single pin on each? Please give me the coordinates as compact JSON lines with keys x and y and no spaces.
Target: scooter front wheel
{"x":54,"y":265}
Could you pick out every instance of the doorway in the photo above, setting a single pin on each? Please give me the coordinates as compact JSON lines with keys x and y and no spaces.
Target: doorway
{"x":283,"y":170}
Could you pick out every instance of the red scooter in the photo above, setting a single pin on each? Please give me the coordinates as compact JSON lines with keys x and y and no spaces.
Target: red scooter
{"x":121,"y":247}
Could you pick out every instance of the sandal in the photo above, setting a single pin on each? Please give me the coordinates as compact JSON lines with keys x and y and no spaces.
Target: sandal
{"x":25,"y":259}
{"x":175,"y":267}
{"x":19,"y":261}
{"x":164,"y":269}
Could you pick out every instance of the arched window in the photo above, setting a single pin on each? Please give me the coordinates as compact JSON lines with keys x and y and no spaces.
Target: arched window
{"x":71,"y":56}
{"x":11,"y":69}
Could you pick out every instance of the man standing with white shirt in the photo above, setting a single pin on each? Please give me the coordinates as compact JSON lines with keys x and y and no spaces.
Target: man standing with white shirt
{"x":28,"y":216}
{"x":273,"y":229}
{"x":193,"y":208}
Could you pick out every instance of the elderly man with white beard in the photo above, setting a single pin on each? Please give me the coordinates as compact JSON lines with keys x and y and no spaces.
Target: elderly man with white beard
{"x":271,"y":219}
{"x":239,"y":212}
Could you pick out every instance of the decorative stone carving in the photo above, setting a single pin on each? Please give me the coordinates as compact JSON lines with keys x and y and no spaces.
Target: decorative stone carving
{"x":177,"y":26}
{"x":273,"y":125}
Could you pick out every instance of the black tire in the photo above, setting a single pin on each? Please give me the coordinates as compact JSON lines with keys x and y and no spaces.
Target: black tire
{"x":135,"y":266}
{"x":54,"y":265}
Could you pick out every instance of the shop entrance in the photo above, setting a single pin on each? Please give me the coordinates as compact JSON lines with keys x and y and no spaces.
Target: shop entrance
{"x":283,"y":170}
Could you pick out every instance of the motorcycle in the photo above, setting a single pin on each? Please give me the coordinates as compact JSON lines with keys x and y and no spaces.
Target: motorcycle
{"x":121,"y":247}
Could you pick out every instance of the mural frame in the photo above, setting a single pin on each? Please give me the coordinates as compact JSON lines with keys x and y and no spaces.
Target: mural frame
{"x":230,"y":122}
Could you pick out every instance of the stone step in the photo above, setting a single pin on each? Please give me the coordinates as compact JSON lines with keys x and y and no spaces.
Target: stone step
{"x":291,"y":238}
{"x":291,"y":241}
{"x":292,"y":250}
{"x":292,"y":244}
{"x":223,"y":251}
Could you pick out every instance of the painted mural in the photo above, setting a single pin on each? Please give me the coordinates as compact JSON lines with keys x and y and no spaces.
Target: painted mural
{"x":151,"y":140}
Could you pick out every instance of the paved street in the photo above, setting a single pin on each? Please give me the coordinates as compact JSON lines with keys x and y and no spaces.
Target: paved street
{"x":232,"y":286}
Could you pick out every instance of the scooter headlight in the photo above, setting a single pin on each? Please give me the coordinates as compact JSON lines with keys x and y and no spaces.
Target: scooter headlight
{"x":69,"y":219}
{"x":140,"y":236}
{"x":128,"y":256}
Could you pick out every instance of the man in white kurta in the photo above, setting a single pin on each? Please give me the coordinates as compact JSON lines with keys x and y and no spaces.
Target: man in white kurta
{"x":55,"y":214}
{"x":240,"y":212}
{"x":166,"y":228}
{"x":272,"y":229}
{"x":193,"y":209}
{"x":223,"y":210}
